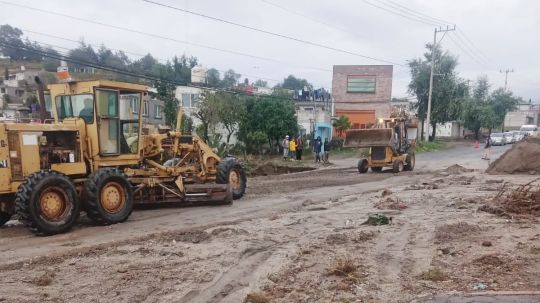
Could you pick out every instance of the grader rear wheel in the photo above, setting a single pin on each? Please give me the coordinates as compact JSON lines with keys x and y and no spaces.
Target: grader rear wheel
{"x":47,"y":203}
{"x":108,"y":196}
{"x":230,"y":172}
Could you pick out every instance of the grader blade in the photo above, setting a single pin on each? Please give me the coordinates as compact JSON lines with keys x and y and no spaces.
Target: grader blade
{"x":368,"y":137}
{"x":213,"y":193}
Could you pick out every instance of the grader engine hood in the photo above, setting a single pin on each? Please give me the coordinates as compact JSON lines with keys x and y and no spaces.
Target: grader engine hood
{"x":368,"y":137}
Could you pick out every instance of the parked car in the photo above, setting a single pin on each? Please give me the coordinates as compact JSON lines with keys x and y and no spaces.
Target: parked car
{"x":518,"y":135}
{"x":509,"y":137}
{"x":498,"y":139}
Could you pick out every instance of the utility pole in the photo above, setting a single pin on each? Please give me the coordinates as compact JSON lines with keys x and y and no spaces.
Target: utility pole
{"x":435,"y":43}
{"x":506,"y":77}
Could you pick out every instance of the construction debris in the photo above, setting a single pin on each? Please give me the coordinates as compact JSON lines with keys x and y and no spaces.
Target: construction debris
{"x":521,"y":201}
{"x":523,"y":157}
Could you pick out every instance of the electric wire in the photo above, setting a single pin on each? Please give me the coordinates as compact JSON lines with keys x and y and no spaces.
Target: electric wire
{"x":248,"y":27}
{"x":159,"y":36}
{"x":140,"y":75}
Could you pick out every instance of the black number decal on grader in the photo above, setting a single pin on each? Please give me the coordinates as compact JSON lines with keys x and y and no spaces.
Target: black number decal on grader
{"x":95,"y":154}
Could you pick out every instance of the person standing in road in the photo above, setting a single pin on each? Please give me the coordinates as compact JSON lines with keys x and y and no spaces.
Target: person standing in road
{"x":327,"y":149}
{"x":487,"y":148}
{"x":317,"y":145}
{"x":285,"y":145}
{"x":299,"y":147}
{"x":292,"y":149}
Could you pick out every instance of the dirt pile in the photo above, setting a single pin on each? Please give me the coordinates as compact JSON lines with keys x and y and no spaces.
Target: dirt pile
{"x":523,"y":157}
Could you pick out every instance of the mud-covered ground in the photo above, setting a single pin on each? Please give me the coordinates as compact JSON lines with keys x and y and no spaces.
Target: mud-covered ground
{"x":293,"y":238}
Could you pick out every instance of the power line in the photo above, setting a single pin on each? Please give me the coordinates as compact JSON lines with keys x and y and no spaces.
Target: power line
{"x":132,"y":53}
{"x":400,"y":14}
{"x":133,"y":74}
{"x":460,"y":31}
{"x":308,"y":17}
{"x":469,"y":49}
{"x":466,"y":52}
{"x":158,"y":36}
{"x":272,"y":33}
{"x":433,"y":19}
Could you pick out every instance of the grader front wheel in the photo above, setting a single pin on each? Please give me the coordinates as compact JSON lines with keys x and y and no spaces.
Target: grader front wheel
{"x":230,"y":172}
{"x":108,"y":196}
{"x":47,"y":203}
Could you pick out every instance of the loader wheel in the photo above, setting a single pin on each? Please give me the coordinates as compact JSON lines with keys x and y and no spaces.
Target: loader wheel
{"x":410,"y":161}
{"x":4,"y":217}
{"x":47,"y":203}
{"x":362,"y":166}
{"x":376,"y":169}
{"x":397,"y":166}
{"x":108,"y":196}
{"x":230,"y":171}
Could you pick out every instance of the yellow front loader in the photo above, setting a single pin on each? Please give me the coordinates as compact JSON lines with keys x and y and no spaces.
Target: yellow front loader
{"x":388,"y":146}
{"x":94,"y":155}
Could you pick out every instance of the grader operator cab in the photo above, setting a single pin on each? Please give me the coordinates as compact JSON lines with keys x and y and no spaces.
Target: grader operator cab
{"x":388,"y":145}
{"x":96,"y":155}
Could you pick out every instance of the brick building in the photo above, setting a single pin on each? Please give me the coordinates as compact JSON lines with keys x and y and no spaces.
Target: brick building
{"x":362,"y":93}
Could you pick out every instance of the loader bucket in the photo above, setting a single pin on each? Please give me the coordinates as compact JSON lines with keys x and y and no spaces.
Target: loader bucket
{"x":214,"y":193}
{"x":368,"y":137}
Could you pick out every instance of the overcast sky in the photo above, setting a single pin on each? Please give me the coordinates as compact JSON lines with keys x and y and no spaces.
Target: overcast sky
{"x":504,"y":34}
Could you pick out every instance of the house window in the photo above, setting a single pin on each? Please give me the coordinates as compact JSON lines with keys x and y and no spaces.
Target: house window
{"x":361,"y":84}
{"x":355,"y":126}
{"x":194,"y":100}
{"x":145,"y":109}
{"x":158,"y":111}
{"x":2,"y":90}
{"x":186,"y":100}
{"x":134,"y":104}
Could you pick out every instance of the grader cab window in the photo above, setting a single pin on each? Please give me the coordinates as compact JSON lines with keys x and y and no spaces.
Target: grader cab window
{"x":76,"y":106}
{"x":109,"y":120}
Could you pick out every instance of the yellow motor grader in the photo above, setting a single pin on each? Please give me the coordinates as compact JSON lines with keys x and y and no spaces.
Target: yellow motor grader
{"x":388,"y":145}
{"x":92,"y":156}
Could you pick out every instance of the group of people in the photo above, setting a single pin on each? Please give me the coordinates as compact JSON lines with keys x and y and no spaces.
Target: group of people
{"x":293,"y":149}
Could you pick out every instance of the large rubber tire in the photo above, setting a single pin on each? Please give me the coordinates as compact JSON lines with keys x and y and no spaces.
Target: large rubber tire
{"x":376,"y":169}
{"x":4,"y":217}
{"x":32,"y":207}
{"x":363,"y":166}
{"x":230,"y":171}
{"x":410,"y":161}
{"x":397,"y":166}
{"x":108,"y":196}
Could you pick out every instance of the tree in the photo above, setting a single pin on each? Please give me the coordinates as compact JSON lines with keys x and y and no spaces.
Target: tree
{"x":342,"y":124}
{"x":291,"y":82}
{"x":272,"y":116}
{"x":230,"y":79}
{"x":207,"y":113}
{"x":11,"y":36}
{"x":449,"y":91}
{"x":261,"y":83}
{"x":230,"y":112}
{"x":475,"y":114}
{"x":50,"y":64}
{"x":213,"y":78}
{"x":502,"y":102}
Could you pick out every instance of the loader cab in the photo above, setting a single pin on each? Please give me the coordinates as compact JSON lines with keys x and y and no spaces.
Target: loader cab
{"x":110,"y":119}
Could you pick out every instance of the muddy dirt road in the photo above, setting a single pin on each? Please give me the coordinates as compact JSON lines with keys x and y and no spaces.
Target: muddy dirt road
{"x":293,"y":238}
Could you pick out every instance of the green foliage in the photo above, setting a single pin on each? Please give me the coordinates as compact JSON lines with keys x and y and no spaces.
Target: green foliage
{"x":423,"y":146}
{"x":11,"y":35}
{"x":6,"y":98}
{"x":337,"y":143}
{"x":342,"y":124}
{"x":231,"y":109}
{"x":230,"y":79}
{"x":207,"y":113}
{"x":261,"y":83}
{"x":31,"y":99}
{"x":187,"y":125}
{"x":449,"y":91}
{"x":291,"y":82}
{"x":256,"y":139}
{"x":213,"y":79}
{"x":271,"y":116}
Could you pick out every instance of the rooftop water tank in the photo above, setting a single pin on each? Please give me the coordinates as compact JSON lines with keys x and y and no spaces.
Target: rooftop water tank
{"x":198,"y":74}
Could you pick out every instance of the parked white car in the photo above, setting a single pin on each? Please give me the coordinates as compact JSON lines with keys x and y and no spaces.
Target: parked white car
{"x":509,"y":137}
{"x":518,"y":135}
{"x":498,"y":139}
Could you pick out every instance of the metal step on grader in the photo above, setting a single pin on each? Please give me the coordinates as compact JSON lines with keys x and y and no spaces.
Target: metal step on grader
{"x":93,"y":155}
